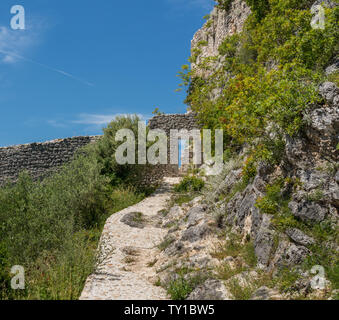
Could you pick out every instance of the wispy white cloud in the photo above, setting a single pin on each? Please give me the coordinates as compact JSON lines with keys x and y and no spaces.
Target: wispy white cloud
{"x":14,"y":45}
{"x":12,"y":56}
{"x":13,"y":42}
{"x":91,"y":120}
{"x":101,"y":119}
{"x":56,"y":124}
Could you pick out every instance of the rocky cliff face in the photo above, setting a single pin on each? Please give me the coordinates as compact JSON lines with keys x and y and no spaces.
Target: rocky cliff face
{"x":311,"y":159}
{"x":228,"y":241}
{"x":221,"y":24}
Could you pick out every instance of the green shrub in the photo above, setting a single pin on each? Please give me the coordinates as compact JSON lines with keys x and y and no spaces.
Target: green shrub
{"x":52,"y":227}
{"x":189,"y":184}
{"x":224,"y":4}
{"x":326,"y":257}
{"x":128,"y":174}
{"x":165,"y":243}
{"x":270,"y":203}
{"x":179,"y":289}
{"x":334,"y":77}
{"x":240,"y":291}
{"x":4,"y":273}
{"x":249,"y":170}
{"x":184,"y":284}
{"x":270,"y":75}
{"x":259,"y":8}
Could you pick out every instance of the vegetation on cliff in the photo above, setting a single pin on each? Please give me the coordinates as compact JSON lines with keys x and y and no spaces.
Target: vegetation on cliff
{"x":269,"y":75}
{"x":259,"y":90}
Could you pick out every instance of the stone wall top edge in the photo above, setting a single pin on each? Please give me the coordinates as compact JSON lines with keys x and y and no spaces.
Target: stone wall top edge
{"x":49,"y":142}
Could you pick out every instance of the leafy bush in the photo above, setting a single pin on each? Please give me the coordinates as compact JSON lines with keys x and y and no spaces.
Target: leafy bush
{"x":128,"y":174}
{"x":185,"y":283}
{"x":52,"y":227}
{"x":259,"y":8}
{"x":270,"y":75}
{"x":179,"y":289}
{"x":240,"y":291}
{"x":271,"y":202}
{"x":40,"y":216}
{"x":334,"y":77}
{"x":4,"y":273}
{"x":224,"y":4}
{"x":189,"y":184}
{"x":249,"y":170}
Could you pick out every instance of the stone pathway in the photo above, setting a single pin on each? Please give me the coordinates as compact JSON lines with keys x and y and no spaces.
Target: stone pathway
{"x":123,"y":271}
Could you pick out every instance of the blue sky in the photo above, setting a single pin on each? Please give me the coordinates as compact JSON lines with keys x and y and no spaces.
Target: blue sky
{"x":79,"y":63}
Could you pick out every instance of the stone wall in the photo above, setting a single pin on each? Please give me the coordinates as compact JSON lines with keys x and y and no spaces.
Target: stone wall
{"x":38,"y":158}
{"x":168,"y":122}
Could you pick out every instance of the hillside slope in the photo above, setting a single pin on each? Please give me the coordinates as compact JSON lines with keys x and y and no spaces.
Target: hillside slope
{"x":267,"y":227}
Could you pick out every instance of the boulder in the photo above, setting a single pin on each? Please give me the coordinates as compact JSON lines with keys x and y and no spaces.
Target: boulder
{"x":293,"y":255}
{"x":210,"y":290}
{"x":308,"y":211}
{"x":263,"y":242}
{"x":333,"y":68}
{"x":265,"y":293}
{"x":196,"y":233}
{"x":133,"y":219}
{"x":195,"y":215}
{"x":328,"y":90}
{"x":327,"y":3}
{"x":299,"y":237}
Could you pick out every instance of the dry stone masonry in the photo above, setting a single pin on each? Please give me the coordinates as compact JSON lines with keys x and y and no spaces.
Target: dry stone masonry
{"x":168,"y":122}
{"x":38,"y":158}
{"x":41,"y":158}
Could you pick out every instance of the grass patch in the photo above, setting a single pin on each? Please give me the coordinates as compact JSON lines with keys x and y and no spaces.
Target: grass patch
{"x":225,"y":272}
{"x":152,"y":263}
{"x":183,"y":198}
{"x":184,"y":284}
{"x":163,"y":212}
{"x":138,"y":217}
{"x":326,"y":257}
{"x":238,"y":291}
{"x":190,"y":184}
{"x":129,"y":260}
{"x":334,"y":77}
{"x":234,"y":248}
{"x":179,"y":289}
{"x":165,"y":243}
{"x":285,"y":279}
{"x":248,"y":253}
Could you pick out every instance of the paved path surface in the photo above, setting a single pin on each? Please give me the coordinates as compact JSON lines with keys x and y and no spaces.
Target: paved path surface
{"x":123,"y":272}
